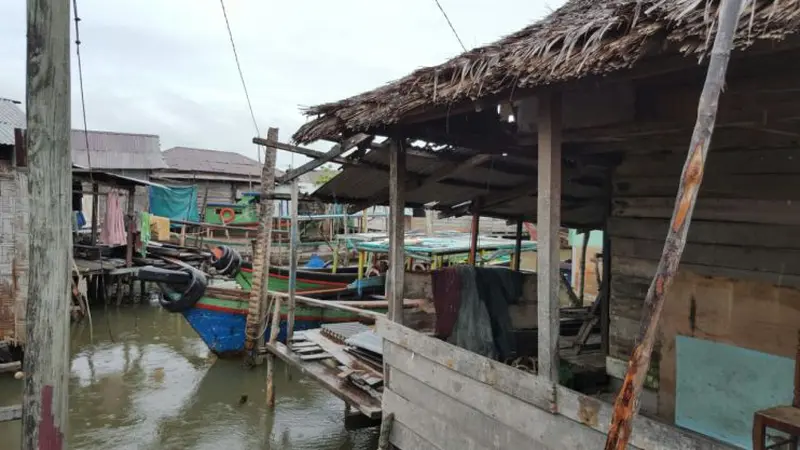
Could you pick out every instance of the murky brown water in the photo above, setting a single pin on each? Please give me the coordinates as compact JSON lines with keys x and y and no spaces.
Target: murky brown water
{"x":144,"y":380}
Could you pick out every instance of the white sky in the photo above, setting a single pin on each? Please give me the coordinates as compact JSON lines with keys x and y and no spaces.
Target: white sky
{"x":166,"y":67}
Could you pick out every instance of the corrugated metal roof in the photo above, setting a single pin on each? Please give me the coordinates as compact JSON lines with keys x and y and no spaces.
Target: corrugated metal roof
{"x":11,"y":116}
{"x":112,"y":150}
{"x":502,"y":176}
{"x":187,"y":159}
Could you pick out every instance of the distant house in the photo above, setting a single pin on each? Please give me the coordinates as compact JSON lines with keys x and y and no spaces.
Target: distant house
{"x":13,"y":227}
{"x":130,"y":154}
{"x":220,"y":176}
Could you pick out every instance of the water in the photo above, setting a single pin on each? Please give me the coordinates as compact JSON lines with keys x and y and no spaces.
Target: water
{"x":144,"y":380}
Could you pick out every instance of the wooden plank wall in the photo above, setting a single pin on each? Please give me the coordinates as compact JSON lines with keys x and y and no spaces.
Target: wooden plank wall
{"x":14,"y":243}
{"x":444,"y":398}
{"x":742,"y":260}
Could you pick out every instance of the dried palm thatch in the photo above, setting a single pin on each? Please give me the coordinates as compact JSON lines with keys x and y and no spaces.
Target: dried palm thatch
{"x":584,"y":37}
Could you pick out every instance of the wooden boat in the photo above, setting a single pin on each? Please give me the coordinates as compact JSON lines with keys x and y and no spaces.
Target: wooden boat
{"x":220,"y":316}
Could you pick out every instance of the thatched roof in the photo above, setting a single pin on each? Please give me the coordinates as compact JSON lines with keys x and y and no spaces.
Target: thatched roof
{"x":584,"y":37}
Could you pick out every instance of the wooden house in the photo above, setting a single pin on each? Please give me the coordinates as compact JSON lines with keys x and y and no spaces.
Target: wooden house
{"x":583,"y":120}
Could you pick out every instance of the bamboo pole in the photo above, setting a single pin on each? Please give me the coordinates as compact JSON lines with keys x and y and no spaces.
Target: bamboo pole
{"x":261,"y":254}
{"x":273,"y":337}
{"x":627,"y":402}
{"x":293,"y":241}
{"x":46,"y":366}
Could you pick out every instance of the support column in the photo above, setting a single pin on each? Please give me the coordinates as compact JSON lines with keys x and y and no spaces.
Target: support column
{"x":548,"y":223}
{"x":132,"y":229}
{"x":517,"y":246}
{"x":46,"y":365}
{"x":473,"y":243}
{"x":396,"y":273}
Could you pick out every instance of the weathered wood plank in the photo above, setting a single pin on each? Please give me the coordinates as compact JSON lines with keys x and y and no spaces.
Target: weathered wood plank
{"x":527,"y":387}
{"x":336,"y":151}
{"x":442,"y":432}
{"x":710,"y":232}
{"x":397,"y":203}
{"x":403,"y":438}
{"x":754,"y":259}
{"x":45,"y":388}
{"x":715,"y":185}
{"x":328,"y":378}
{"x":740,"y":210}
{"x":544,"y":429}
{"x":548,"y":227}
{"x":486,"y":431}
{"x":755,"y":161}
{"x":643,"y":268}
{"x":9,"y":413}
{"x":647,"y":433}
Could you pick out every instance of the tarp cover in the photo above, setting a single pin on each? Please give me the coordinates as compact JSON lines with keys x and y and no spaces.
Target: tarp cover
{"x":176,"y":203}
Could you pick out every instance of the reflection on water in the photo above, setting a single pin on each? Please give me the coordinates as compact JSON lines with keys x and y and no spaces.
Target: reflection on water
{"x":145,"y":381}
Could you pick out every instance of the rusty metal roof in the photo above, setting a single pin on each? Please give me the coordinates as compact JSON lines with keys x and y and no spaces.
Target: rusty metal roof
{"x":11,"y":116}
{"x":112,"y":150}
{"x":502,"y":176}
{"x":185,"y":159}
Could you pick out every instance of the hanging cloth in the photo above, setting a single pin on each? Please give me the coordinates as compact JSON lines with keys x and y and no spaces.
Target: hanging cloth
{"x":144,"y":232}
{"x":113,"y":232}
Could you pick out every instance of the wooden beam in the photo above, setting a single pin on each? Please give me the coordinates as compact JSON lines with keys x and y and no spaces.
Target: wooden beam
{"x":46,"y":366}
{"x":20,"y":151}
{"x":627,"y":403}
{"x":261,"y":257}
{"x":547,"y":226}
{"x":9,"y":413}
{"x":293,"y":244}
{"x":336,"y":151}
{"x":518,"y":245}
{"x":95,"y":211}
{"x":474,"y":229}
{"x":396,"y":273}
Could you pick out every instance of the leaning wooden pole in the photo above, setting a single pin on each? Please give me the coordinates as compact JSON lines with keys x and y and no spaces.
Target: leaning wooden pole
{"x":256,"y":314}
{"x":294,"y":242}
{"x":46,"y":367}
{"x":627,"y":402}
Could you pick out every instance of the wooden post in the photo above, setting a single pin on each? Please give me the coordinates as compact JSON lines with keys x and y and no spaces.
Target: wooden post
{"x":396,"y":272}
{"x":582,"y":286}
{"x":259,"y":290}
{"x":95,"y":207}
{"x":548,"y":222}
{"x":473,"y":245}
{"x":429,"y":222}
{"x":518,"y":246}
{"x":273,"y":337}
{"x":293,"y":241}
{"x":46,"y":366}
{"x":627,"y":403}
{"x":131,"y":228}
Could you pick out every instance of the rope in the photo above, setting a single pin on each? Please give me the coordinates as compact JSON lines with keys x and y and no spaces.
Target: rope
{"x":452,"y":28}
{"x":241,"y":75}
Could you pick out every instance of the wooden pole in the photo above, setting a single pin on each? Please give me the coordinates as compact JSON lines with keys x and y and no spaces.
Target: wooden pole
{"x":627,"y":403}
{"x":547,"y":225}
{"x":518,"y":246}
{"x":131,"y":228}
{"x":273,"y":337}
{"x":294,"y":240}
{"x":259,"y":290}
{"x":473,"y":245}
{"x":396,"y":272}
{"x":95,"y":207}
{"x":46,"y":366}
{"x":582,"y":286}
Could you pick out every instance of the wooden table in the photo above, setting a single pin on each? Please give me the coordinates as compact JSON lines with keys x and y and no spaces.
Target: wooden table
{"x":781,"y":418}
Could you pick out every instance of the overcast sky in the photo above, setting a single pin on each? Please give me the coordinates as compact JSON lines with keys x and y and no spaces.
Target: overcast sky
{"x":166,"y":67}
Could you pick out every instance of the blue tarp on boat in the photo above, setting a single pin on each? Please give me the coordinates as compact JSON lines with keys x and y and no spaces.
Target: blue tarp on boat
{"x":176,"y":202}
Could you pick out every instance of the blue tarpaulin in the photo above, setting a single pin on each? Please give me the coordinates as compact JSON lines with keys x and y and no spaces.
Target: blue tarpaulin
{"x":176,"y":202}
